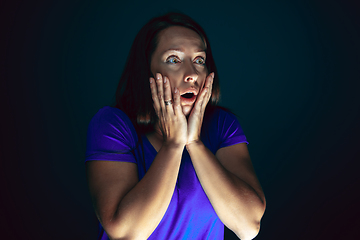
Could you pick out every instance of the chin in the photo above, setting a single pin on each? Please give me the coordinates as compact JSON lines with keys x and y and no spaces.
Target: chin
{"x":186,"y":110}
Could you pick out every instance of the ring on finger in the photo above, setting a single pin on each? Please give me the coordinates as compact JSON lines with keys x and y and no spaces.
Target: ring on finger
{"x":168,"y":102}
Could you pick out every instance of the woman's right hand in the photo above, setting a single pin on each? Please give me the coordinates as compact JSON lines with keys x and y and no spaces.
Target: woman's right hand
{"x":172,"y":121}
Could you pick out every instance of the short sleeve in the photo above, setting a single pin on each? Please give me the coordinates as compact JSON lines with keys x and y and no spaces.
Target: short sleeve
{"x":229,"y":130}
{"x":110,"y":136}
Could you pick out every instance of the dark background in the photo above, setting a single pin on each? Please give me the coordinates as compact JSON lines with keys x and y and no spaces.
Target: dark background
{"x":289,"y":69}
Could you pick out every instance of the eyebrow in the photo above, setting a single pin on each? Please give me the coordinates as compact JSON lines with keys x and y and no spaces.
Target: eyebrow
{"x":180,"y":50}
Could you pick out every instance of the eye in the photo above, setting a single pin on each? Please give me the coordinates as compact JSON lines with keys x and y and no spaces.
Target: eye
{"x":200,"y":60}
{"x":173,"y":60}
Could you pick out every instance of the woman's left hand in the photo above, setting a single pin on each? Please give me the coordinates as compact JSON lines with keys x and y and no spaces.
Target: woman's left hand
{"x":197,"y":113}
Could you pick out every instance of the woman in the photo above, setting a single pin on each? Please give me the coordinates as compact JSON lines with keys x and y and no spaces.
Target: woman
{"x":176,"y":167}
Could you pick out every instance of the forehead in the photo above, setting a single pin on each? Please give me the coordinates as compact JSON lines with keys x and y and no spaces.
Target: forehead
{"x":177,"y":37}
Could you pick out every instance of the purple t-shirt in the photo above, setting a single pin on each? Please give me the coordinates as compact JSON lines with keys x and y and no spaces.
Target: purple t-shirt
{"x":190,"y":215}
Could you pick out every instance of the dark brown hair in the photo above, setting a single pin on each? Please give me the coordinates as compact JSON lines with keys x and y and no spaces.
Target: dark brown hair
{"x":133,"y":94}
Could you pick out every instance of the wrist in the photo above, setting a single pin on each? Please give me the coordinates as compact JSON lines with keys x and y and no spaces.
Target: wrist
{"x":194,"y":144}
{"x":173,"y":146}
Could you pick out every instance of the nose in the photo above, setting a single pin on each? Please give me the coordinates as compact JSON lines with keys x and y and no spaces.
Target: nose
{"x":191,"y":74}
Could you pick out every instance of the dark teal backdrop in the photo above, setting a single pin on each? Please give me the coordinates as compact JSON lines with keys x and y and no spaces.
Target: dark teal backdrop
{"x":289,"y":69}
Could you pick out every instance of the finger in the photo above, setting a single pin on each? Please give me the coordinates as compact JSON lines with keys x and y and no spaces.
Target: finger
{"x":177,"y":106}
{"x":210,"y":86}
{"x":209,"y":80}
{"x":160,"y":93}
{"x":200,"y":100}
{"x":168,"y":97}
{"x":155,"y":96}
{"x":205,"y":100}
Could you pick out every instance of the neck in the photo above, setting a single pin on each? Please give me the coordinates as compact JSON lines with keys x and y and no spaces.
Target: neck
{"x":157,"y":132}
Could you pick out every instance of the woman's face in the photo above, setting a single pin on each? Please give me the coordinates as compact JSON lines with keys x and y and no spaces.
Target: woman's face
{"x":180,"y":56}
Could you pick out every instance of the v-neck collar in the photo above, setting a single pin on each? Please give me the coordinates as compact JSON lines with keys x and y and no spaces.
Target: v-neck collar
{"x":145,"y":138}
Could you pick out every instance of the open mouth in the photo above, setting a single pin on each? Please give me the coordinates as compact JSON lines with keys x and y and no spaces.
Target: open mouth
{"x":187,"y":95}
{"x":188,"y":98}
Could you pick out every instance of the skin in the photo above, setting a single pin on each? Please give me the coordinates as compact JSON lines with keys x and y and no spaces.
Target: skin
{"x":180,"y":59}
{"x":131,"y":209}
{"x":180,"y":56}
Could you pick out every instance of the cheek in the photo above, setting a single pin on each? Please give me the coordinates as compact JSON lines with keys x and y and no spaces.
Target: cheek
{"x":161,"y":68}
{"x":203,"y":78}
{"x":203,"y":73}
{"x":171,"y":72}
{"x":174,"y":79}
{"x":156,"y":66}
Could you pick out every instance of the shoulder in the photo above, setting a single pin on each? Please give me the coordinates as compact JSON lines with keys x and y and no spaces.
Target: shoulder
{"x":113,"y":117}
{"x":113,"y":123}
{"x":108,"y":113}
{"x":223,"y":129}
{"x":219,"y":115}
{"x":109,"y":133}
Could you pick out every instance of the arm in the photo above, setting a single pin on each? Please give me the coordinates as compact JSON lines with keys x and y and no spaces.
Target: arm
{"x":231,"y":185}
{"x":126,"y":206}
{"x":228,"y":178}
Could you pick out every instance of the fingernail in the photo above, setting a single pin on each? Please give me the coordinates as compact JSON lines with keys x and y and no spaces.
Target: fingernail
{"x":158,"y":76}
{"x":176,"y":90}
{"x":151,"y":80}
{"x":164,"y":79}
